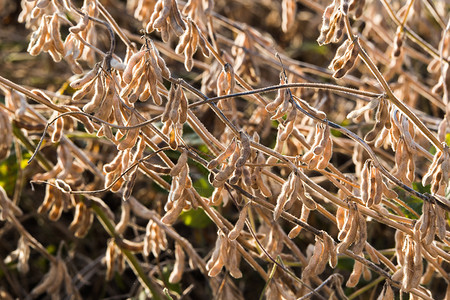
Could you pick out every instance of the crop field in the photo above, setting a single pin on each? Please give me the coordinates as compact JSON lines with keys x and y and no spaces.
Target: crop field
{"x":224,"y":149}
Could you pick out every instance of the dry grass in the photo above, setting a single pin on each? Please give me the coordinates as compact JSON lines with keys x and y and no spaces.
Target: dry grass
{"x":224,"y":149}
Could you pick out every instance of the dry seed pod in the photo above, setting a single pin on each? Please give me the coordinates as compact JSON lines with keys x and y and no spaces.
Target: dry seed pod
{"x":181,"y":163}
{"x":288,"y":11}
{"x":99,"y":94}
{"x":224,"y":155}
{"x":166,"y":15}
{"x":6,"y":133}
{"x":282,"y":95}
{"x":246,"y":150}
{"x":327,"y":13}
{"x":48,"y":281}
{"x":171,"y":216}
{"x":365,"y":180}
{"x":86,"y":79}
{"x":81,"y":26}
{"x":286,"y":189}
{"x":350,"y":56}
{"x":233,"y":261}
{"x":317,"y":257}
{"x":110,"y":260}
{"x":360,"y":241}
{"x":132,"y":135}
{"x":358,"y":112}
{"x":235,"y":232}
{"x":133,"y":62}
{"x":348,"y":233}
{"x":398,"y":42}
{"x":178,"y":268}
{"x":355,"y":275}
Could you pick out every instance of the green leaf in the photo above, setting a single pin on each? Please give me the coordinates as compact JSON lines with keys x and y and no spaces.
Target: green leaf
{"x":195,"y":218}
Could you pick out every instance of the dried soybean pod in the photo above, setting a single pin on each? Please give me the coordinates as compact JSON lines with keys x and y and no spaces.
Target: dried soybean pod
{"x":329,"y":244}
{"x":246,"y":150}
{"x":314,"y":260}
{"x":234,"y":233}
{"x":84,"y":21}
{"x":282,"y":197}
{"x":89,"y":76}
{"x":350,"y":235}
{"x":360,"y":242}
{"x":182,"y":160}
{"x":281,"y":97}
{"x":365,"y":179}
{"x":178,"y":268}
{"x":132,"y":62}
{"x":355,"y":275}
{"x":58,"y":131}
{"x":183,"y":110}
{"x":99,"y":94}
{"x":372,"y":253}
{"x":132,"y":135}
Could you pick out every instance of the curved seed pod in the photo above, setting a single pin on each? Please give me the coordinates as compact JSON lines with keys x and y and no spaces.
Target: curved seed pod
{"x":48,"y":280}
{"x":437,"y":160}
{"x":282,"y":109}
{"x":182,"y":161}
{"x":58,"y":131}
{"x":233,"y":261}
{"x":152,"y":82}
{"x":171,"y":216}
{"x":55,"y":34}
{"x":351,"y":56}
{"x":222,"y":176}
{"x":355,"y":275}
{"x":320,"y":147}
{"x":341,"y":217}
{"x":86,"y":224}
{"x":124,"y":218}
{"x":365,"y":181}
{"x":329,"y":244}
{"x":391,"y":194}
{"x":178,"y":268}
{"x":262,"y":186}
{"x":132,"y":62}
{"x":281,"y":98}
{"x":81,"y":26}
{"x":110,"y":260}
{"x":314,"y":260}
{"x":87,"y":78}
{"x":234,"y":233}
{"x":362,"y":235}
{"x":160,"y":61}
{"x":326,"y":155}
{"x":351,"y":233}
{"x":305,"y":197}
{"x":97,"y":99}
{"x":246,"y":150}
{"x":372,"y":253}
{"x":224,"y":155}
{"x":283,"y":197}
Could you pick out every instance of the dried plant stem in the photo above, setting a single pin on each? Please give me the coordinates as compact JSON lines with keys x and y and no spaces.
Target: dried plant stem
{"x":312,"y":85}
{"x":373,"y":68}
